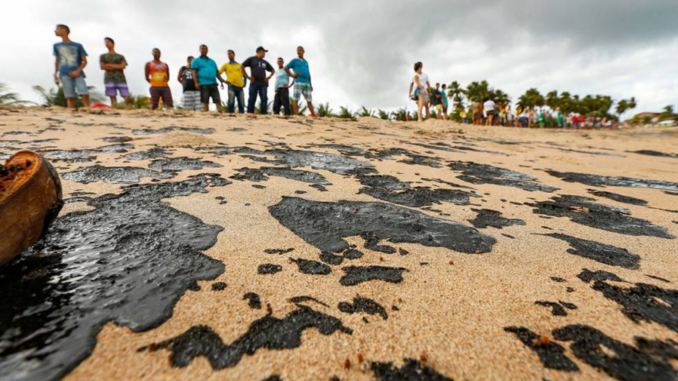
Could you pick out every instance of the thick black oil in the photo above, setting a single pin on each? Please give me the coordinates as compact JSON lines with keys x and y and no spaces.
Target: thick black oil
{"x":262,"y":174}
{"x":412,"y":370}
{"x":618,"y":197}
{"x":114,"y":175}
{"x":176,"y":164}
{"x":492,"y":218}
{"x":647,"y":360}
{"x":166,"y":130}
{"x":360,"y":274}
{"x":475,"y":173}
{"x":363,"y":305}
{"x":316,"y":160}
{"x":602,"y":181}
{"x":326,"y":224}
{"x":607,"y":254}
{"x":641,"y":302}
{"x":128,"y":261}
{"x":312,"y":267}
{"x":268,"y":333}
{"x":389,"y":188}
{"x":585,"y":211}
{"x":551,"y":355}
{"x":557,"y":309}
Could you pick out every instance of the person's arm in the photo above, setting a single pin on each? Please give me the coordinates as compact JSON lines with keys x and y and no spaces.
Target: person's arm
{"x":168,"y":74}
{"x":244,"y":72}
{"x":181,"y":72}
{"x":220,"y":80}
{"x":83,"y":64}
{"x":195,"y":78}
{"x":221,"y":71}
{"x":428,"y":85}
{"x":147,"y":70}
{"x":418,"y":83}
{"x":411,"y":88}
{"x":56,"y":70}
{"x":309,"y":81}
{"x":271,"y":70}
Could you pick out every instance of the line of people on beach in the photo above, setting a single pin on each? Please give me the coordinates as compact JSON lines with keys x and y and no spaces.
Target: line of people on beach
{"x":488,"y":112}
{"x":201,"y":78}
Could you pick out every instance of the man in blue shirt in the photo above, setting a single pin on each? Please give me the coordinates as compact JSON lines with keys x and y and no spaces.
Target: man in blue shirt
{"x":282,"y":89}
{"x":69,"y":63}
{"x":205,"y":74}
{"x":302,"y":76}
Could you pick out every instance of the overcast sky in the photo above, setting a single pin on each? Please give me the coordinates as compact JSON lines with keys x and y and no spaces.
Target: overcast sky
{"x":361,"y":52}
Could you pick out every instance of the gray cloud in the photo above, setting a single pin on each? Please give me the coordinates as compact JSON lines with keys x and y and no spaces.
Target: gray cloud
{"x":361,"y":52}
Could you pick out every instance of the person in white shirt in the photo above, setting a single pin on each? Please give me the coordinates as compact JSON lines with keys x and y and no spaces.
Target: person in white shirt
{"x":488,"y":106}
{"x":421,"y":89}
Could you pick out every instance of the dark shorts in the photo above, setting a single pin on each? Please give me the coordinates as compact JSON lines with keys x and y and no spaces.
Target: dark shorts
{"x":477,"y":115}
{"x":210,"y":91}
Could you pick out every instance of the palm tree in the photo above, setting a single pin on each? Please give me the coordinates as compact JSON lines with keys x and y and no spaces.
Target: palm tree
{"x":140,"y":101}
{"x":667,"y":114}
{"x":345,"y":113}
{"x":621,"y":107}
{"x":383,"y":114}
{"x":324,"y":110}
{"x":365,"y":113}
{"x":478,"y":91}
{"x":400,"y":115}
{"x":7,"y":98}
{"x":56,"y":97}
{"x":456,"y":94}
{"x":531,"y":99}
{"x":552,"y":100}
{"x":499,"y":96}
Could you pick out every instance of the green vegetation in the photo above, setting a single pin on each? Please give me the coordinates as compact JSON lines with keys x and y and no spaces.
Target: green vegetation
{"x":56,"y":97}
{"x":8,"y":98}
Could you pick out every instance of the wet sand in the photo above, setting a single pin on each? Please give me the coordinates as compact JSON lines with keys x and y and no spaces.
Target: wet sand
{"x":214,"y":247}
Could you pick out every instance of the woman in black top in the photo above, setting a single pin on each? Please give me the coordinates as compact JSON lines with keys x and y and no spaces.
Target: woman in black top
{"x":191,"y":94}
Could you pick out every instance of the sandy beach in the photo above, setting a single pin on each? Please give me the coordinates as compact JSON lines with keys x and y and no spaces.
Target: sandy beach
{"x":211,"y":247}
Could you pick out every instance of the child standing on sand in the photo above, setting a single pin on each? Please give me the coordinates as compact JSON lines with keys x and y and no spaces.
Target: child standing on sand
{"x":70,"y":61}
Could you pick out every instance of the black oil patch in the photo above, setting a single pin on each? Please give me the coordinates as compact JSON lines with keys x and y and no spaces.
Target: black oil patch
{"x":114,"y":175}
{"x":389,"y":188}
{"x":359,"y":274}
{"x":641,"y":302}
{"x":331,"y":259}
{"x":306,"y":298}
{"x":658,"y":278}
{"x":648,"y":360}
{"x":176,"y":164}
{"x":268,"y":269}
{"x":339,"y":147}
{"x":166,"y":130}
{"x":262,"y":174}
{"x":557,"y":309}
{"x":268,"y":333}
{"x":486,"y":174}
{"x":618,"y":197}
{"x":585,"y":211}
{"x":365,"y":305}
{"x":117,"y":139}
{"x":352,"y":254}
{"x":558,"y":279}
{"x":648,"y":152}
{"x":73,"y":156}
{"x":219,"y":286}
{"x":253,"y":300}
{"x":326,"y":224}
{"x":273,"y":377}
{"x":551,"y":355}
{"x":372,"y":243}
{"x":587,"y":276}
{"x":153,"y":153}
{"x":412,"y":370}
{"x":607,"y":254}
{"x":128,"y":261}
{"x":412,"y":158}
{"x":312,"y":267}
{"x":117,"y":148}
{"x":214,"y":150}
{"x":279,"y":251}
{"x":316,"y":160}
{"x":602,"y":181}
{"x":493,"y":218}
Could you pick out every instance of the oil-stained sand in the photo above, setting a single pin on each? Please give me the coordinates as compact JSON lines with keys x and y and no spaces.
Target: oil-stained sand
{"x":368,"y":250}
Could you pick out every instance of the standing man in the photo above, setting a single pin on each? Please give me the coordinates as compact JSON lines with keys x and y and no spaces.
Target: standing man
{"x":191,"y":94}
{"x":235,"y":81}
{"x":258,"y":80}
{"x":157,"y":75}
{"x":282,"y":89}
{"x":205,"y":73}
{"x":438,"y":101}
{"x":446,"y":101}
{"x":114,"y":79}
{"x":69,"y":63}
{"x":302,"y":78}
{"x":489,"y":106}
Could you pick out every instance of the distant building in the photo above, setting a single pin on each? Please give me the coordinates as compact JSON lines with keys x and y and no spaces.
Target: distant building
{"x":652,"y":117}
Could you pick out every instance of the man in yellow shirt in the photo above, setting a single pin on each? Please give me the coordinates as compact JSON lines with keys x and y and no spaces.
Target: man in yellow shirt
{"x":236,"y":83}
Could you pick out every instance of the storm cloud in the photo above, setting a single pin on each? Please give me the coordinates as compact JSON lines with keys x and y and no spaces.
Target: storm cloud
{"x":362,"y":52}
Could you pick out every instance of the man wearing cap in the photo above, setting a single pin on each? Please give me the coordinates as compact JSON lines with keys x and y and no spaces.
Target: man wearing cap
{"x":302,"y":77}
{"x":258,"y":80}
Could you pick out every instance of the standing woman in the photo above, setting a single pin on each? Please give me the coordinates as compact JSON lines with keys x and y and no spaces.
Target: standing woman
{"x":421,"y":90}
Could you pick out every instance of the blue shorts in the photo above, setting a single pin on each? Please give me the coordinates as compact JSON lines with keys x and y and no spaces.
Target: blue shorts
{"x":71,"y":85}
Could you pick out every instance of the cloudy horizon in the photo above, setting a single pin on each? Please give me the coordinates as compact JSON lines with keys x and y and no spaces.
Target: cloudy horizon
{"x":361,"y":53}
